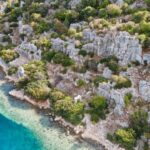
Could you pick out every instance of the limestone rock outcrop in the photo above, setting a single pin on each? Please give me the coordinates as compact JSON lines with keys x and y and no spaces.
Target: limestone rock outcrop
{"x":29,"y":51}
{"x":115,"y":95}
{"x":144,"y":90}
{"x":121,"y":44}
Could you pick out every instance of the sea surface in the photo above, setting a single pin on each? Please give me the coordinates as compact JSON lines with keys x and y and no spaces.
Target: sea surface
{"x":24,"y":128}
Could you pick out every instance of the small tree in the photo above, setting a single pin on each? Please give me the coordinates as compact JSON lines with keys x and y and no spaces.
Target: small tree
{"x":138,"y":122}
{"x":114,"y":10}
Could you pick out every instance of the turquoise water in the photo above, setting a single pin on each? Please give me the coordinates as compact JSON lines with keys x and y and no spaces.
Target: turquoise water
{"x":16,"y":137}
{"x":24,"y":128}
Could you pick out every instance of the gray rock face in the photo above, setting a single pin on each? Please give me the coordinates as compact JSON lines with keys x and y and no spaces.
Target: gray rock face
{"x":149,"y":117}
{"x":74,"y":3}
{"x":107,"y":73}
{"x":29,"y":50}
{"x":25,"y":29}
{"x":144,"y":90}
{"x":113,"y":95}
{"x":67,"y":47}
{"x":126,"y":47}
{"x":20,"y":72}
{"x":146,"y":58}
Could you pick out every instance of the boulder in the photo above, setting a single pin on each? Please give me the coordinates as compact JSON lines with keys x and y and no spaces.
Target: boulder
{"x":144,"y":90}
{"x":107,"y":73}
{"x":29,"y":51}
{"x":20,"y":72}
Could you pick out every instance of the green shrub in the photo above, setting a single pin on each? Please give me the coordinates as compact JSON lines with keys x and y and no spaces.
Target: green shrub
{"x":60,"y":58}
{"x":38,"y":8}
{"x":103,"y":13}
{"x":81,"y":82}
{"x":122,"y":82}
{"x":104,"y":3}
{"x":114,"y":10}
{"x":127,"y":99}
{"x":129,"y":1}
{"x":14,"y":14}
{"x":147,"y":2}
{"x":67,"y":16}
{"x":112,"y":63}
{"x":130,"y":27}
{"x":82,"y":52}
{"x":145,"y":27}
{"x":8,"y":55}
{"x":92,"y":3}
{"x":99,"y":79}
{"x":59,"y":27}
{"x":139,"y":122}
{"x":48,"y":55}
{"x":35,"y":70}
{"x":64,"y":106}
{"x":44,"y":42}
{"x":41,"y":26}
{"x":88,"y":11}
{"x":98,"y":108}
{"x":126,"y":138}
{"x":12,"y":70}
{"x":38,"y":90}
{"x":140,"y":16}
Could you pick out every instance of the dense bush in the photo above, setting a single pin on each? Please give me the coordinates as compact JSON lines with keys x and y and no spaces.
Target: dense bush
{"x":14,"y":14}
{"x":127,"y":99}
{"x":44,"y":43}
{"x":139,"y":122}
{"x":60,"y":58}
{"x":147,"y":2}
{"x":98,"y":108}
{"x":35,"y":70}
{"x":82,"y":52}
{"x":8,"y":55}
{"x":59,"y":27}
{"x":38,"y":90}
{"x":140,"y":16}
{"x":38,"y":8}
{"x":121,"y":82}
{"x":41,"y":27}
{"x":92,"y":3}
{"x":125,"y":137}
{"x":145,"y":27}
{"x":88,"y":11}
{"x":81,"y":82}
{"x":112,"y":63}
{"x":103,"y":13}
{"x":64,"y":106}
{"x":99,"y":79}
{"x":130,"y":27}
{"x":129,"y":1}
{"x":68,"y":16}
{"x":113,"y":10}
{"x":12,"y":70}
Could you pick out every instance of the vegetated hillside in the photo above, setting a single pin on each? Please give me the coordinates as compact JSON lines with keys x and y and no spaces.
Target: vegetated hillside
{"x":88,"y":58}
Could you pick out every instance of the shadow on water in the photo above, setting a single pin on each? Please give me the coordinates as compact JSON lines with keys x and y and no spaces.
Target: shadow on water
{"x":16,"y":137}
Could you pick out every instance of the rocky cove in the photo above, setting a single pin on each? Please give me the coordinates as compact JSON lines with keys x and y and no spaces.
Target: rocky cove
{"x":90,"y":73}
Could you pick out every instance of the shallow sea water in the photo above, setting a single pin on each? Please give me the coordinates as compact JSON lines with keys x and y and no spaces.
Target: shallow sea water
{"x":23,"y":128}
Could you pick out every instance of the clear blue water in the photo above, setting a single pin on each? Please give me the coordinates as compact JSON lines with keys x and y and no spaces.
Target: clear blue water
{"x":14,"y":136}
{"x":23,"y":128}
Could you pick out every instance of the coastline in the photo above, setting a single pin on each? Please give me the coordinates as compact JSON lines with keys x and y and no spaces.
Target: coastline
{"x":75,"y":131}
{"x":80,"y":133}
{"x":50,"y":133}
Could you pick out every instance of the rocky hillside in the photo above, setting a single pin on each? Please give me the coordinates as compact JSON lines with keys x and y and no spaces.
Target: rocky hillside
{"x":88,"y":61}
